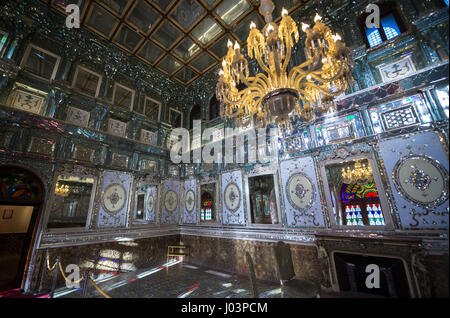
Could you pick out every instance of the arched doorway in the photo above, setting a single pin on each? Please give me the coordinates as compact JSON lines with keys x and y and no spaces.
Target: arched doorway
{"x":214,"y":108}
{"x":21,"y":199}
{"x":195,"y":114}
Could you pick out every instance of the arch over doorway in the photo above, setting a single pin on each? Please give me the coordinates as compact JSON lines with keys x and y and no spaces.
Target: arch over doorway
{"x":22,"y":195}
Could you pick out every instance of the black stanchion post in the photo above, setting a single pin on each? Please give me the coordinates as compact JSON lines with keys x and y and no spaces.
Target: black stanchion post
{"x":55,"y":276}
{"x":85,"y":284}
{"x":44,"y":267}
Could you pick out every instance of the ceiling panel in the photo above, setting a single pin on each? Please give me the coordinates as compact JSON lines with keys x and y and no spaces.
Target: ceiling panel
{"x":127,"y":38}
{"x":203,"y":62}
{"x":143,"y":16}
{"x":181,"y":38}
{"x":169,"y":65}
{"x":167,"y":34}
{"x":230,"y":10}
{"x":186,"y":75}
{"x":150,"y":52}
{"x":186,"y":13}
{"x":207,"y":31}
{"x":186,"y":49}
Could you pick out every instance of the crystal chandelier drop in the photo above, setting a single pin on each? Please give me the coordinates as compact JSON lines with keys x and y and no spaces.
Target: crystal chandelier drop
{"x":279,"y":94}
{"x":360,"y":174}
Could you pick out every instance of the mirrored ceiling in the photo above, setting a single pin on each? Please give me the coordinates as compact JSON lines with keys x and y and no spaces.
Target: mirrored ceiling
{"x":183,"y":39}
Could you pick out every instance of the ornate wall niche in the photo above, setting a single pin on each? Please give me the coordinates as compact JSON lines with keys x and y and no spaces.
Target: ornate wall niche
{"x":146,"y":203}
{"x":270,"y":201}
{"x":76,"y":177}
{"x":345,"y":155}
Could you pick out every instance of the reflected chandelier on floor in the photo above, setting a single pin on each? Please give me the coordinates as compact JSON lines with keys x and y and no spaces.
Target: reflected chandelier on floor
{"x":278,"y":95}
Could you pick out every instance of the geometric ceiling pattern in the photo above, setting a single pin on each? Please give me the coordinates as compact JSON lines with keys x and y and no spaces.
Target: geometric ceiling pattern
{"x":183,"y":39}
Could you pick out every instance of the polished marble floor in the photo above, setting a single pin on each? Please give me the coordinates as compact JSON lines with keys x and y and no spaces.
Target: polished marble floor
{"x":174,"y":279}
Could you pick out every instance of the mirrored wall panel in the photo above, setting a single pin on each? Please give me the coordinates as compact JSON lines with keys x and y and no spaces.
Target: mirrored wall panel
{"x":72,"y":202}
{"x":263,"y":203}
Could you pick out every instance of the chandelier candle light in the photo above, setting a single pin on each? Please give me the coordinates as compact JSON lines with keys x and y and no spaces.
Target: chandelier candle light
{"x":278,"y":95}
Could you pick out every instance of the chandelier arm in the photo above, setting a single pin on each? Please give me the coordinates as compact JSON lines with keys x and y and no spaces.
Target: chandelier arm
{"x":252,"y":82}
{"x":261,"y":63}
{"x":263,"y":81}
{"x":287,"y":59}
{"x":324,"y":80}
{"x":324,"y":90}
{"x":299,"y":70}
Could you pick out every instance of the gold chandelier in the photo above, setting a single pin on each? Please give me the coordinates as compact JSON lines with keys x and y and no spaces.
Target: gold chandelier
{"x":62,"y":190}
{"x":360,"y":174}
{"x":275,"y":96}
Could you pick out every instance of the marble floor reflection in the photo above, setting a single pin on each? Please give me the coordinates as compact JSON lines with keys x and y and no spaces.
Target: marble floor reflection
{"x":174,"y":279}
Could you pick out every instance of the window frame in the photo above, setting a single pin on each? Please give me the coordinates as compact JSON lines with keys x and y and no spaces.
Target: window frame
{"x":217,"y":205}
{"x":27,"y":55}
{"x":247,"y":205}
{"x":3,"y":47}
{"x":171,"y":109}
{"x":384,"y":202}
{"x":155,"y":101}
{"x":133,"y":95}
{"x":90,"y":214}
{"x":386,"y":9}
{"x":77,"y":70}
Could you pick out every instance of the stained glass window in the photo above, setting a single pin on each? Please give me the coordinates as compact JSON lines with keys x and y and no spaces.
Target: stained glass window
{"x":390,"y":27}
{"x":361,"y":205}
{"x":374,"y":37}
{"x":207,"y":204}
{"x":3,"y":38}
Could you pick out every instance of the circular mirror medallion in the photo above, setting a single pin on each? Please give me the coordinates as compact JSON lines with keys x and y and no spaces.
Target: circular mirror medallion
{"x":190,"y":201}
{"x":232,"y":197}
{"x":171,"y":201}
{"x":150,"y":203}
{"x":300,"y":191}
{"x":114,"y":198}
{"x":421,"y":180}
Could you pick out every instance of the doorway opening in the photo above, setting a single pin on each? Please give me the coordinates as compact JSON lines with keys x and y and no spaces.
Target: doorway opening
{"x":21,"y":200}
